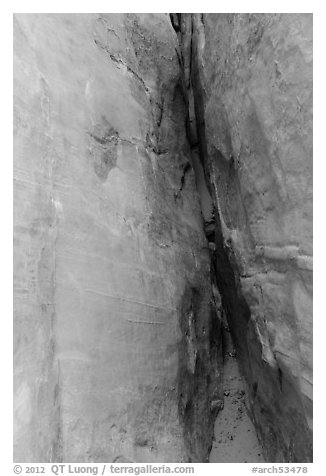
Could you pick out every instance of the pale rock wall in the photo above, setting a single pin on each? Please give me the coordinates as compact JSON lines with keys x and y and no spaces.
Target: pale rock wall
{"x":114,"y":352}
{"x":251,"y":79}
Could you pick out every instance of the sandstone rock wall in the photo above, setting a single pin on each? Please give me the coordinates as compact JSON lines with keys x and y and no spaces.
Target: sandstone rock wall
{"x":117,"y":331}
{"x":248,"y":78}
{"x":115,"y":357}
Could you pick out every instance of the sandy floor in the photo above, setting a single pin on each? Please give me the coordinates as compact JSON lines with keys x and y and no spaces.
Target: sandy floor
{"x":235,"y":436}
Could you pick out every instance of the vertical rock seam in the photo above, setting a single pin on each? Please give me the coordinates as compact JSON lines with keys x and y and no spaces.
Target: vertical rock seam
{"x":128,"y":139}
{"x":247,"y":80}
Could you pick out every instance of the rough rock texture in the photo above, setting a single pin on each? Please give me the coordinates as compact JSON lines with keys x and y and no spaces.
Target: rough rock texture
{"x":248,"y":79}
{"x":116,"y":334}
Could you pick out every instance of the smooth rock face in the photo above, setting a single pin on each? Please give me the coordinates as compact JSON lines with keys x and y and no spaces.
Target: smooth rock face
{"x":251,"y":79}
{"x":115,"y":357}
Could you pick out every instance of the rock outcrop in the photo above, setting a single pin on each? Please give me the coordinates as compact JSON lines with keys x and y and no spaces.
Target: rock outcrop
{"x":248,"y":80}
{"x":117,"y":348}
{"x":163,"y":180}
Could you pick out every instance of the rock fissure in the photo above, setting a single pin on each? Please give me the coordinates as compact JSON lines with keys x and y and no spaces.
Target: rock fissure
{"x":162,"y":237}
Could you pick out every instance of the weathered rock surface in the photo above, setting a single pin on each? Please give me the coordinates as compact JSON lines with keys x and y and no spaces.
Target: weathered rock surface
{"x":117,"y":324}
{"x":248,"y":78}
{"x":115,"y":356}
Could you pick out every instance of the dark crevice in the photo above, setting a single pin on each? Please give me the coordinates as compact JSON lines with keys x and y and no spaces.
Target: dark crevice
{"x":176,"y":21}
{"x":186,"y":168}
{"x":223,"y":265}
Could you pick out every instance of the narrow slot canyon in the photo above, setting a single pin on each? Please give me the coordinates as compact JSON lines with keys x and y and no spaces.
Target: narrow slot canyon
{"x":235,"y":439}
{"x":163,"y":238}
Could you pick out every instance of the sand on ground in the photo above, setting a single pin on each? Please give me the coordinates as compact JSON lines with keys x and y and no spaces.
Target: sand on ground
{"x":235,"y":439}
